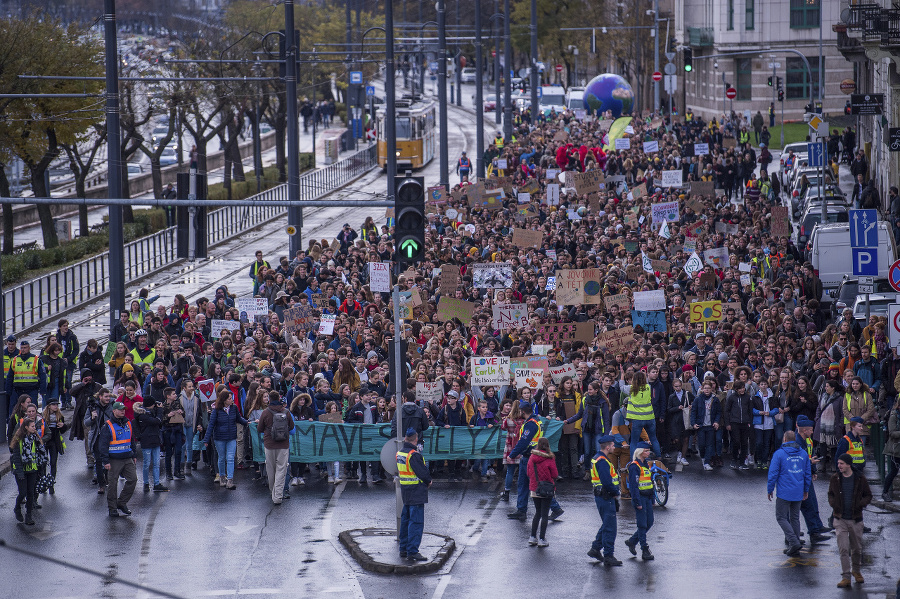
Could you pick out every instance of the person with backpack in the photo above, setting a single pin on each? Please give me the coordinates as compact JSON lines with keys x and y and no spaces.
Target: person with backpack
{"x":275,"y":424}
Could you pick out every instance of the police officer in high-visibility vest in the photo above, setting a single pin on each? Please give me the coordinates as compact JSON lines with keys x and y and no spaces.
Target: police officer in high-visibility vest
{"x":852,"y":444}
{"x":9,"y":352}
{"x":254,"y":270}
{"x":640,"y":483}
{"x":414,"y":482}
{"x":27,"y":375}
{"x":809,"y":507}
{"x":143,"y":353}
{"x":529,"y":434}
{"x":498,"y":140}
{"x":605,"y":480}
{"x":640,"y":412}
{"x":463,"y":167}
{"x":117,"y":450}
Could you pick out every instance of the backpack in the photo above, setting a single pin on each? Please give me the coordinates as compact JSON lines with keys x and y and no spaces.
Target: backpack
{"x":281,"y":428}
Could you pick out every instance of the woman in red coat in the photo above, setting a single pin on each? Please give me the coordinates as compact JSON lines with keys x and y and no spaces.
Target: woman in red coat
{"x":544,"y":462}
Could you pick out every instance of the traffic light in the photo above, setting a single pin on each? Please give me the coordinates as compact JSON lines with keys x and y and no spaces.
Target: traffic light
{"x":688,"y":60}
{"x":769,"y":81}
{"x":409,"y":227}
{"x":780,"y":83}
{"x":781,"y":95}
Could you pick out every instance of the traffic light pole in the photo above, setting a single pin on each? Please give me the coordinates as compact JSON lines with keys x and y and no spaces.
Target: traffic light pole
{"x":295,"y":214}
{"x":442,"y":95}
{"x":398,"y":390}
{"x":479,"y":95}
{"x":113,"y":140}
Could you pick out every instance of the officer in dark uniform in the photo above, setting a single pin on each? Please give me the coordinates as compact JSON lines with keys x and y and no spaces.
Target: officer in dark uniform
{"x":414,"y":482}
{"x":605,"y":480}
{"x":463,"y":167}
{"x":640,"y":483}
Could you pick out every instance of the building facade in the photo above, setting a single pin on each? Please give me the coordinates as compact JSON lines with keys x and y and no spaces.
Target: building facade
{"x":772,"y":33}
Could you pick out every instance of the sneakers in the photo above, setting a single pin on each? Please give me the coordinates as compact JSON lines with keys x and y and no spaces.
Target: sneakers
{"x":124,"y":509}
{"x":223,"y":481}
{"x":543,"y":543}
{"x":504,"y":496}
{"x":844,"y":583}
{"x":300,"y":481}
{"x":818,"y":538}
{"x":491,"y":472}
{"x":707,"y":467}
{"x":338,"y":480}
{"x":160,"y":488}
{"x":792,"y":550}
{"x":679,"y":459}
{"x":331,"y":480}
{"x":532,"y":541}
{"x":632,"y":546}
{"x":230,"y":484}
{"x":858,"y":577}
{"x":517,"y":515}
{"x":744,"y":467}
{"x":216,"y":479}
{"x":646,"y":555}
{"x":610,"y":560}
{"x":146,"y":488}
{"x":555,"y":514}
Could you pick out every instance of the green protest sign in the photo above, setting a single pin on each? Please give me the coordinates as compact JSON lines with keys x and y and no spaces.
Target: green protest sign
{"x":329,"y":442}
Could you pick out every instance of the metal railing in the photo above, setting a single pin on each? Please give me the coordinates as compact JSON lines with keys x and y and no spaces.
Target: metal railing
{"x":31,"y":303}
{"x":225,"y":223}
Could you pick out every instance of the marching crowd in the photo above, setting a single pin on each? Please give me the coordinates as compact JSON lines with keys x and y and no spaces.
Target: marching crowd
{"x":728,"y":391}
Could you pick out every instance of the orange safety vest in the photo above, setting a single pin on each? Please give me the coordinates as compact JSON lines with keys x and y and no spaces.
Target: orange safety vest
{"x":855,"y":451}
{"x":121,"y":438}
{"x":595,"y":476}
{"x":405,"y":471}
{"x":645,"y":483}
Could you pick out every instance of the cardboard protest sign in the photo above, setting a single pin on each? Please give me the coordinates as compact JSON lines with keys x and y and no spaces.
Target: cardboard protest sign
{"x":650,"y":300}
{"x":299,"y":318}
{"x":622,"y":300}
{"x":706,"y":311}
{"x":430,"y":392}
{"x":703,"y":188}
{"x":494,"y":275}
{"x":558,"y":372}
{"x":661,"y":265}
{"x":326,"y":324}
{"x":437,"y":195}
{"x":617,"y":340}
{"x":217,"y":326}
{"x":540,"y":350}
{"x":695,"y":204}
{"x":729,"y":142}
{"x":531,"y":362}
{"x":584,"y":183}
{"x":671,"y":178}
{"x":780,"y":223}
{"x":605,"y":124}
{"x":690,"y":245}
{"x":380,"y":277}
{"x":708,"y":280}
{"x":449,"y":279}
{"x":492,"y":370}
{"x":509,"y":316}
{"x":252,"y":306}
{"x":531,"y":186}
{"x":649,"y":320}
{"x":555,"y":334}
{"x":726,"y":228}
{"x":207,"y":390}
{"x":578,"y":286}
{"x":736,"y":306}
{"x":449,"y":308}
{"x":526,"y":377}
{"x":633,"y":271}
{"x":717,"y":257}
{"x":665,"y":212}
{"x":639,"y":191}
{"x":525,"y":238}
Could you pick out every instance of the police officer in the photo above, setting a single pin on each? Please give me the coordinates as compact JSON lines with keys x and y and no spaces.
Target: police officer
{"x":605,"y":479}
{"x":414,"y":482}
{"x":529,"y":434}
{"x":640,"y":483}
{"x":26,"y":376}
{"x":852,"y":444}
{"x":117,"y":450}
{"x":463,"y":167}
{"x":9,"y":352}
{"x":809,"y":507}
{"x":498,"y":140}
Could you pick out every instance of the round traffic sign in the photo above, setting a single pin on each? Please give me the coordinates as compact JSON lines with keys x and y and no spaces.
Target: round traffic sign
{"x":897,"y":322}
{"x":657,"y":76}
{"x":291,"y":230}
{"x":731,"y":93}
{"x":669,"y":68}
{"x":493,"y":53}
{"x":559,"y":68}
{"x":894,"y":275}
{"x":848,"y":86}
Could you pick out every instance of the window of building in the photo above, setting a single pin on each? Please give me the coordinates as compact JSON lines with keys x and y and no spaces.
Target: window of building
{"x":797,"y":83}
{"x":805,"y":14}
{"x":743,"y":67}
{"x":749,"y":10}
{"x":730,"y":15}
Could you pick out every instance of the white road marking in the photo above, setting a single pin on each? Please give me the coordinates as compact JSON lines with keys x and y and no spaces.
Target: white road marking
{"x":441,"y":586}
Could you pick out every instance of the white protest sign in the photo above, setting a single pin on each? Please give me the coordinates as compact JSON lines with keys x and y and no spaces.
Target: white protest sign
{"x":745,"y":279}
{"x":671,"y":178}
{"x":551,"y":284}
{"x":529,"y":377}
{"x":524,"y":197}
{"x":430,"y":392}
{"x":665,"y":212}
{"x":380,"y":277}
{"x":217,"y":326}
{"x":509,"y":316}
{"x":558,"y":372}
{"x":501,"y":163}
{"x":646,"y":264}
{"x":623,"y":143}
{"x":693,"y":265}
{"x":326,"y":324}
{"x":701,"y":149}
{"x":493,"y":370}
{"x":253,"y":306}
{"x":650,"y":300}
{"x":553,"y":194}
{"x":744,"y":267}
{"x":651,"y":146}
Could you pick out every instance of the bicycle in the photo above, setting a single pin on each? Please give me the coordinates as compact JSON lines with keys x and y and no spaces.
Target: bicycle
{"x":660,"y":477}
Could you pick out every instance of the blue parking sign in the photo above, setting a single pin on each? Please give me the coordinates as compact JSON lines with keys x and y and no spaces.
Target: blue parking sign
{"x":865,"y":262}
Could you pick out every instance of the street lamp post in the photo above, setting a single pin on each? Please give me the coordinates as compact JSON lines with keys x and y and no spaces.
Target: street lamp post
{"x":479,"y":95}
{"x":534,"y":61}
{"x":442,"y":93}
{"x":295,"y":213}
{"x":507,"y":92}
{"x":496,"y":62}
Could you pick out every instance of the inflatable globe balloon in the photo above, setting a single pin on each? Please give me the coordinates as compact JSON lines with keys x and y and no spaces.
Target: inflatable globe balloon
{"x":608,"y":92}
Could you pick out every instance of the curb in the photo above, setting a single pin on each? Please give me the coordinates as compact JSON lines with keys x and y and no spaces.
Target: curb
{"x":5,"y":467}
{"x":890,"y":507}
{"x":348,"y":539}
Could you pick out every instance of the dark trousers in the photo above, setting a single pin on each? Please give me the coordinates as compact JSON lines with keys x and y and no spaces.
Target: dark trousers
{"x":763,"y":444}
{"x":99,"y":470}
{"x":606,"y":536}
{"x":893,"y":463}
{"x":740,"y":441}
{"x":127,"y":470}
{"x":644,"y":519}
{"x":809,"y":507}
{"x":706,"y":443}
{"x":522,"y":488}
{"x":541,"y":515}
{"x":27,"y":491}
{"x":53,"y":452}
{"x":173,"y":444}
{"x":567,"y":456}
{"x":412,"y":525}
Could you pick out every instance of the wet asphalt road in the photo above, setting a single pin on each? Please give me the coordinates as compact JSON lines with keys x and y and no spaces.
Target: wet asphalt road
{"x":716,"y":538}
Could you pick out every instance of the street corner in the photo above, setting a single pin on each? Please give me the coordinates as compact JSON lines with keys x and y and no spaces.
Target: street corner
{"x":375,"y":549}
{"x":888,"y":507}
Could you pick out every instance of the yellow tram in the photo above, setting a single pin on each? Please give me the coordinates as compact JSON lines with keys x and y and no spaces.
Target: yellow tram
{"x":415,"y":132}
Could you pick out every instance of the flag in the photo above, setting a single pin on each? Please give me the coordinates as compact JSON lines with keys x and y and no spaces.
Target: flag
{"x":664,"y":230}
{"x":616,"y":130}
{"x":693,"y":265}
{"x":646,"y":264}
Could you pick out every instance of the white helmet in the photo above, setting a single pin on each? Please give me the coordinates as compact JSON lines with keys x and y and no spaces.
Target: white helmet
{"x":140,"y":332}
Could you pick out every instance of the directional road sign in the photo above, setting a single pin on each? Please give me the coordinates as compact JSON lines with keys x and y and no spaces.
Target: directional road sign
{"x":864,"y":228}
{"x":816,"y":153}
{"x":356,"y":77}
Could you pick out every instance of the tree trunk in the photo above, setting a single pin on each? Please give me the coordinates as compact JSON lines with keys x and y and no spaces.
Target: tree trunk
{"x":156,"y":175}
{"x":226,"y":155}
{"x":7,"y":213}
{"x":83,"y":228}
{"x":40,"y":191}
{"x":279,"y":154}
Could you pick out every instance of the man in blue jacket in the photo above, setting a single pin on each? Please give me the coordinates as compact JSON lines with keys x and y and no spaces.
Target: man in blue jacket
{"x":790,"y":471}
{"x":528,"y":437}
{"x":605,"y":480}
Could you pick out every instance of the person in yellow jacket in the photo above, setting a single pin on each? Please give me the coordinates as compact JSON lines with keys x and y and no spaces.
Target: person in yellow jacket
{"x":857,"y":403}
{"x":640,"y":412}
{"x":567,"y":403}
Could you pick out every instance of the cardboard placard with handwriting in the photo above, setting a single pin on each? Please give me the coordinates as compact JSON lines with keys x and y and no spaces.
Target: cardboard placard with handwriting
{"x":555,"y":334}
{"x":633,"y":271}
{"x":622,"y":300}
{"x":526,"y":238}
{"x":449,"y":279}
{"x":780,"y":224}
{"x":437,"y":195}
{"x":585,"y":183}
{"x":639,"y":191}
{"x":578,"y":286}
{"x":449,"y":308}
{"x":661,"y":266}
{"x":703,"y":188}
{"x":617,"y":340}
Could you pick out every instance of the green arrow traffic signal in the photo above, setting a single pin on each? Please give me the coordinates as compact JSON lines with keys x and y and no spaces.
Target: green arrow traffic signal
{"x":410,"y":247}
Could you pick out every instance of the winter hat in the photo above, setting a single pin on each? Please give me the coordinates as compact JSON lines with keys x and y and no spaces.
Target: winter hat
{"x":723,"y":357}
{"x":803,"y":421}
{"x":834,"y":366}
{"x":371,"y":354}
{"x":846,"y":458}
{"x":127,"y":368}
{"x":453,"y":394}
{"x":118,"y":406}
{"x":149,"y":402}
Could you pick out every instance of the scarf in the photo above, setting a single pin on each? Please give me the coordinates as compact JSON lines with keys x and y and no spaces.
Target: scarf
{"x":33,"y":451}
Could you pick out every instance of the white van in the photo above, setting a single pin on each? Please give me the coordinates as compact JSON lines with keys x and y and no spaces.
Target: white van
{"x":575,"y":98}
{"x":832,"y":258}
{"x":553,"y":97}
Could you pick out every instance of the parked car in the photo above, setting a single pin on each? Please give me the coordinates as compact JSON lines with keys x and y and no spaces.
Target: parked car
{"x":845,"y":295}
{"x":878,"y":305}
{"x":135,"y":169}
{"x":467,"y":75}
